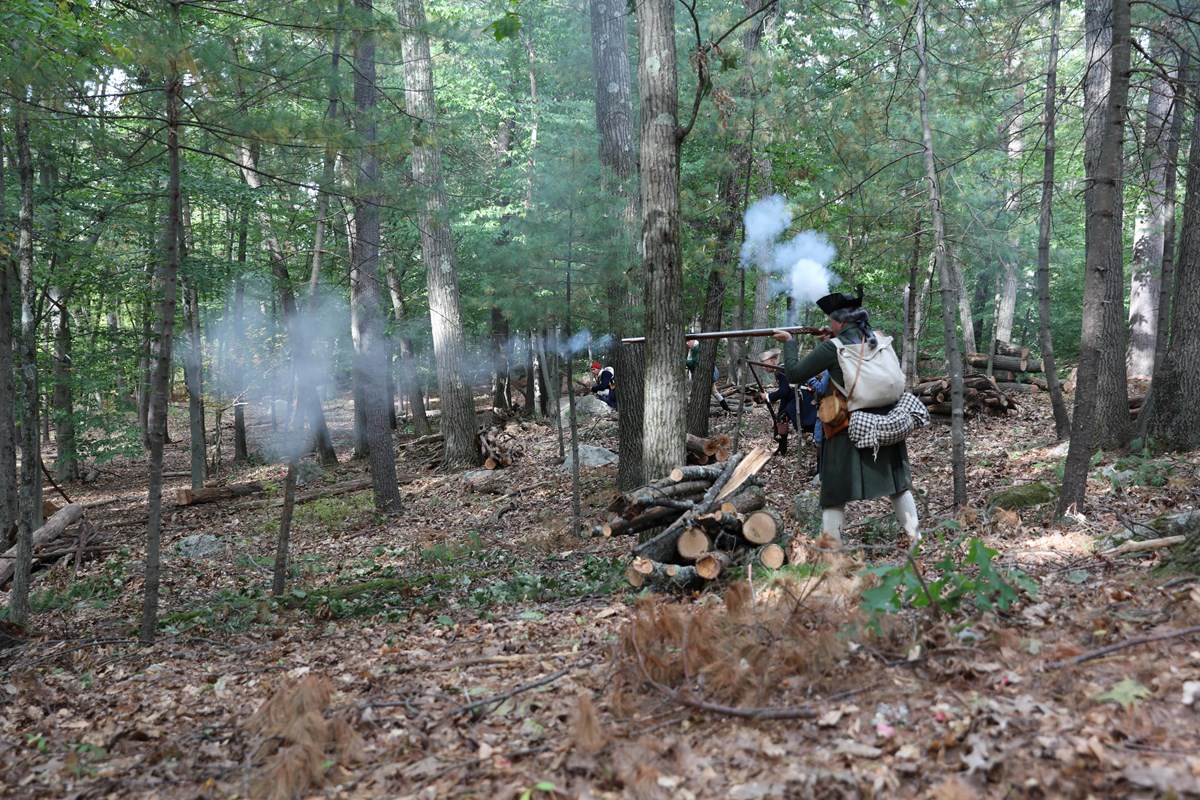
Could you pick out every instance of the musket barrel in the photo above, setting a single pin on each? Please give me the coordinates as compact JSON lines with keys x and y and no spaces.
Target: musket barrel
{"x":741,"y":334}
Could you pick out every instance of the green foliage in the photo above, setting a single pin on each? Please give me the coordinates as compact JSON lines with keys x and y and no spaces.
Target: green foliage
{"x":229,"y":610}
{"x":506,"y":27}
{"x":1142,"y":469}
{"x":94,"y":591}
{"x":328,"y":512}
{"x":955,"y":580}
{"x":1126,"y":694}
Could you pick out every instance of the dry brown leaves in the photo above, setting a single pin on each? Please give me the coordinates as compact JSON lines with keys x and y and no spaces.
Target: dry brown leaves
{"x":438,"y":694}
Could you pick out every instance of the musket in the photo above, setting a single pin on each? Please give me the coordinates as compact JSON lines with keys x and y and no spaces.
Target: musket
{"x":742,"y":334}
{"x":763,"y":392}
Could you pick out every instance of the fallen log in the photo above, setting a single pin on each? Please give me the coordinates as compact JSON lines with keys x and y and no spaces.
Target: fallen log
{"x":644,"y":571}
{"x":1144,"y":545}
{"x":696,"y":472}
{"x":211,"y":494}
{"x":358,"y":484}
{"x":50,"y":530}
{"x":646,"y":498}
{"x":750,"y":497}
{"x":1012,"y":363}
{"x":653,"y":518}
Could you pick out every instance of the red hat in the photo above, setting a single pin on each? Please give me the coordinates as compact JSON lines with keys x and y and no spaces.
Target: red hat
{"x":596,"y":365}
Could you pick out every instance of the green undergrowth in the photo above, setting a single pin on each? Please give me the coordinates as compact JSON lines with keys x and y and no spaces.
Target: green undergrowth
{"x":964,"y":582}
{"x":441,"y":581}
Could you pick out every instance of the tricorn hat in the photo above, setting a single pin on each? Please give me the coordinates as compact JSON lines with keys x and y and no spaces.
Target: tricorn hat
{"x":832,"y":302}
{"x":767,"y":355}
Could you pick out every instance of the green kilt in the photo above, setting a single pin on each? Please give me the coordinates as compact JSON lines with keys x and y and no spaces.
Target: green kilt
{"x":850,"y":473}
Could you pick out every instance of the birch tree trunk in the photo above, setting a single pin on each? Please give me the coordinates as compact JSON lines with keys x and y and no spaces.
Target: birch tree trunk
{"x":1006,"y":295}
{"x":371,"y":362}
{"x":664,"y":433}
{"x":1101,"y":417}
{"x":1062,"y":421}
{"x":1160,"y":153}
{"x":958,"y":451}
{"x":458,"y":423}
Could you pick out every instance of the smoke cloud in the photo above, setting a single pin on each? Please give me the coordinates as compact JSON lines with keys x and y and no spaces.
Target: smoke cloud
{"x":800,"y":265}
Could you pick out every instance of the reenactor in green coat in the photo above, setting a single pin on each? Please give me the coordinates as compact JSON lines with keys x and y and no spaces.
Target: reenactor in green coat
{"x":850,"y":473}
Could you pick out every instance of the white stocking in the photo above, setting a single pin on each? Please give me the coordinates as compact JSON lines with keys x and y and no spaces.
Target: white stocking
{"x":905,"y":507}
{"x":832,"y":519}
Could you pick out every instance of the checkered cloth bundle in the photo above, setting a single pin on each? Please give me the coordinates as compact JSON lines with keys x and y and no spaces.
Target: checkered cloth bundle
{"x":880,"y":430}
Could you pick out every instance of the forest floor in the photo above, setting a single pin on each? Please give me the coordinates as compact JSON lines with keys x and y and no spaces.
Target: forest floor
{"x":487,"y":652}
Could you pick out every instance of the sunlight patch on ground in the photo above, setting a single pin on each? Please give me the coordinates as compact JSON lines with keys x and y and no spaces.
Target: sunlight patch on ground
{"x":1055,"y":547}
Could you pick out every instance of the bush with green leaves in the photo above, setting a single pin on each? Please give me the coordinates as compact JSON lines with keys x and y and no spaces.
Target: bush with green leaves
{"x":966,"y":576}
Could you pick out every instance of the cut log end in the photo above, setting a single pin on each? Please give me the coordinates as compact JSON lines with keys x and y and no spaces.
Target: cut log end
{"x":771,"y":556}
{"x":762,"y":526}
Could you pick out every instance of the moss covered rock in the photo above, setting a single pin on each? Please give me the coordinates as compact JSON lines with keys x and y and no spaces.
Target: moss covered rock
{"x":1025,"y":495}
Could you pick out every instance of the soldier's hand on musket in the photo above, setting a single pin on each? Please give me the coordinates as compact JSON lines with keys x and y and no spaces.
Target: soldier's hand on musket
{"x":781,"y":336}
{"x":824,"y":332}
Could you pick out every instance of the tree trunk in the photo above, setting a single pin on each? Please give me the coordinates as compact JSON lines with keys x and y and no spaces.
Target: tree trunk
{"x":30,"y":491}
{"x":166,"y":286}
{"x":458,"y":421}
{"x":1006,"y":296}
{"x":371,"y":371}
{"x":410,"y":384}
{"x":66,"y":461}
{"x":1169,"y":413}
{"x":958,"y":454}
{"x":240,"y":453}
{"x":8,"y":429}
{"x":664,"y":432}
{"x":1062,"y":421}
{"x":700,"y":393}
{"x":195,"y":383}
{"x":1160,"y":148}
{"x":914,"y":298}
{"x":618,"y":158}
{"x":500,"y":398}
{"x":1101,"y":382}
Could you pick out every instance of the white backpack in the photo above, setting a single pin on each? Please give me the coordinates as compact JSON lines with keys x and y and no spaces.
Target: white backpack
{"x":872,"y":374}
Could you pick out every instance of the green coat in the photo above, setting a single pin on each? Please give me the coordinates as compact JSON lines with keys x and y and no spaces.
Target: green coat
{"x":847,"y":472}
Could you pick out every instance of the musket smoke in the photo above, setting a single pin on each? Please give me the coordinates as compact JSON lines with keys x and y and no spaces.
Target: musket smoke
{"x":799,"y":266}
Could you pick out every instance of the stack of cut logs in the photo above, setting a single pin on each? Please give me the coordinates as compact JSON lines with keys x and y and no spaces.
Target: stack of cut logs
{"x":715,"y":518}
{"x":1012,"y":367}
{"x":981,"y":394}
{"x":499,"y":447}
{"x":706,"y":451}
